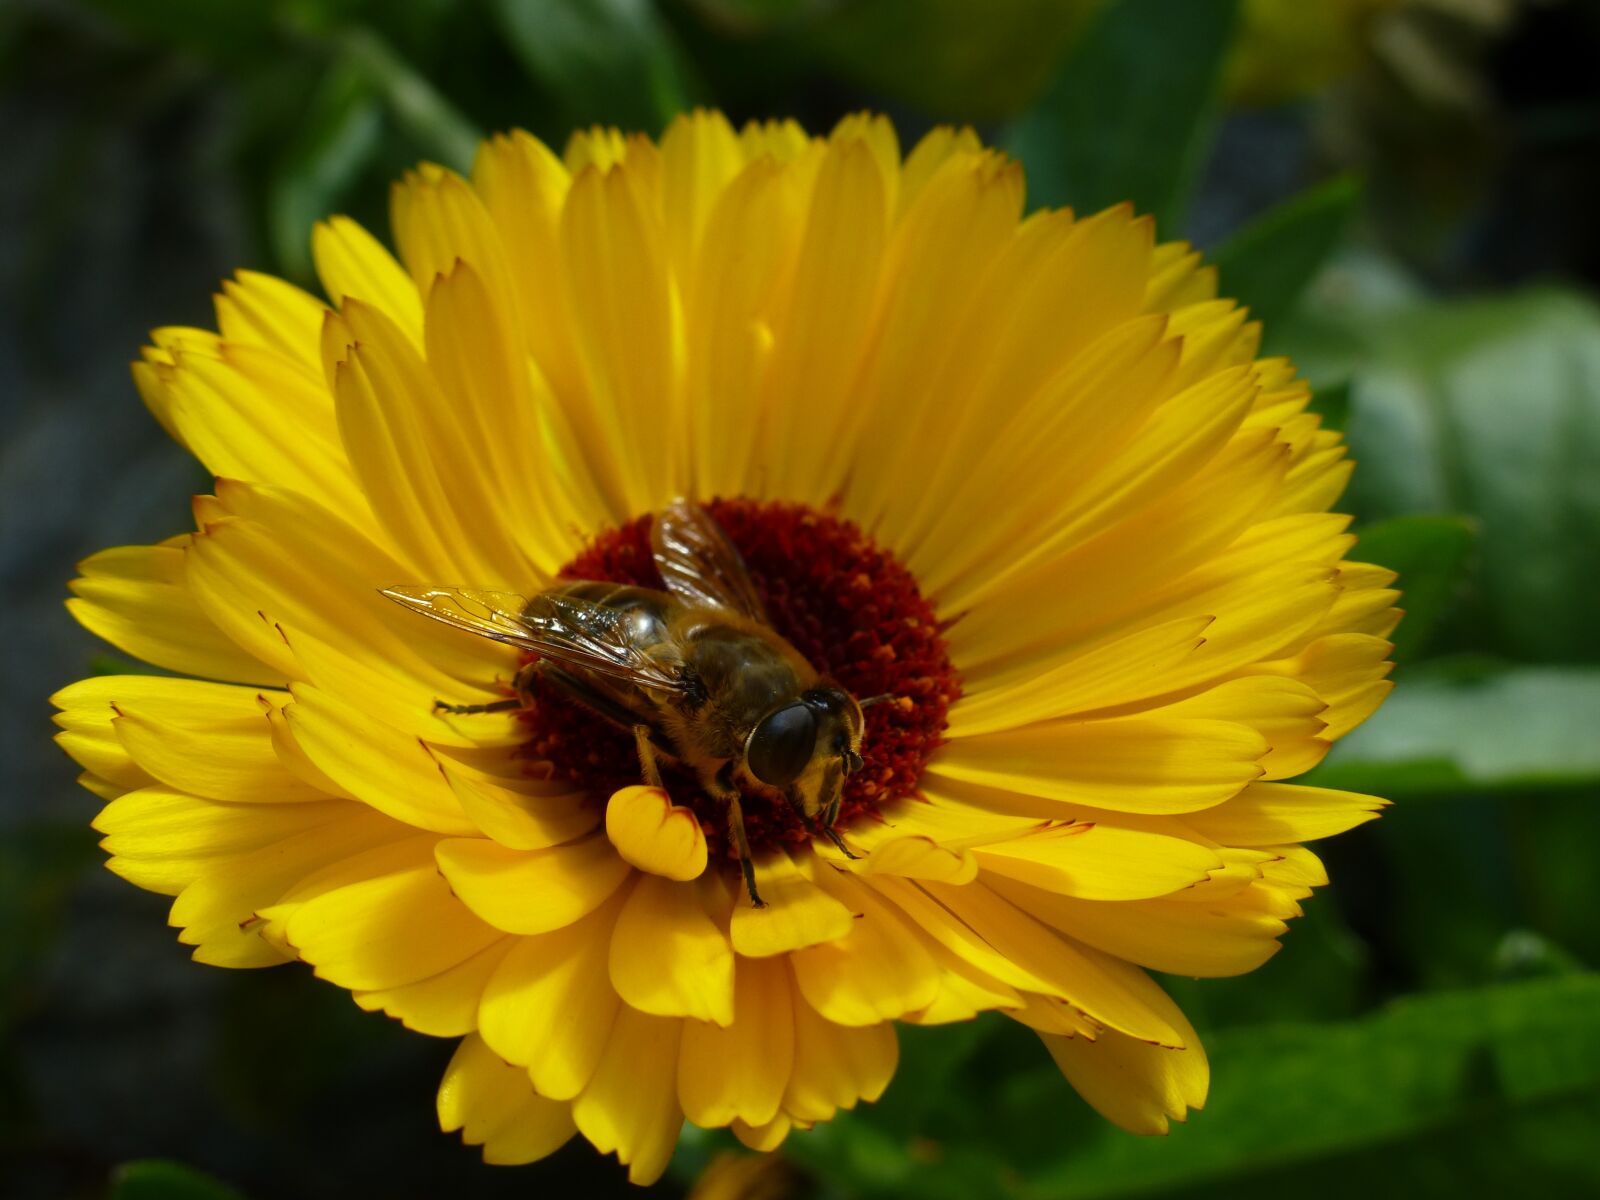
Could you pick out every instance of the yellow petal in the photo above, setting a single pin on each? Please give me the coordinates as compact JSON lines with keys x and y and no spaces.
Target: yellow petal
{"x":655,"y":835}
{"x":515,"y":470}
{"x":523,"y":814}
{"x":401,"y":691}
{"x":741,"y":1072}
{"x":550,"y":1005}
{"x":1104,"y":988}
{"x":392,"y":920}
{"x":261,"y":311}
{"x":625,"y":329}
{"x":351,"y":262}
{"x":921,"y":858}
{"x":750,"y":242}
{"x":314,"y":572}
{"x":879,"y":971}
{"x":1131,"y":764}
{"x":1137,"y":1086}
{"x":89,"y":707}
{"x":1225,"y":937}
{"x":797,"y":914}
{"x":631,"y":1104}
{"x":216,"y":910}
{"x":375,"y":764}
{"x":531,"y":891}
{"x":523,"y":186}
{"x":954,"y":937}
{"x":1127,"y":668}
{"x":442,"y":1005}
{"x":1265,"y":814}
{"x":835,"y":1065}
{"x":493,"y":1105}
{"x":410,"y":450}
{"x":227,"y":759}
{"x":136,"y":598}
{"x":1287,"y":712}
{"x":1106,"y":584}
{"x":699,"y":155}
{"x":1100,"y":862}
{"x":162,"y":839}
{"x":763,"y":1138}
{"x":668,"y":956}
{"x":1346,"y":670}
{"x":821,"y":333}
{"x":247,"y":412}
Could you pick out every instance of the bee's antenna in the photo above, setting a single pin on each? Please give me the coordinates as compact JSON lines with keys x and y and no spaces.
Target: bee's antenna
{"x":871,"y":700}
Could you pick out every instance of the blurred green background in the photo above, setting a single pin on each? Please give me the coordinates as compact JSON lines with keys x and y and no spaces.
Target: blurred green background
{"x":1405,"y":191}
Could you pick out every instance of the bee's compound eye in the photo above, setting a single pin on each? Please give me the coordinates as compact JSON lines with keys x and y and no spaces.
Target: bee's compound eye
{"x":781,"y":746}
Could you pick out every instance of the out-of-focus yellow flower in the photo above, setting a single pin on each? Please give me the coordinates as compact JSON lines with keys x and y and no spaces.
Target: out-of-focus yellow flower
{"x":1026,"y":476}
{"x":745,"y":1177}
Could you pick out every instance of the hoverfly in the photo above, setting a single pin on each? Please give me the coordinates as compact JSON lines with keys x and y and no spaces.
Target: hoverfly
{"x":696,"y":672}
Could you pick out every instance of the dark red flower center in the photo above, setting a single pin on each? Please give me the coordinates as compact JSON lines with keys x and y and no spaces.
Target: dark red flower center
{"x":849,"y":606}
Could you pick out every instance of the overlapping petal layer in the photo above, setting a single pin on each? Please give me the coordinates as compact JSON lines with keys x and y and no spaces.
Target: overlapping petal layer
{"x":1052,"y":420}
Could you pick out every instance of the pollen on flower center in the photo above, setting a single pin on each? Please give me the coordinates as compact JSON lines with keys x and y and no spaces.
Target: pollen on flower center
{"x":849,"y":606}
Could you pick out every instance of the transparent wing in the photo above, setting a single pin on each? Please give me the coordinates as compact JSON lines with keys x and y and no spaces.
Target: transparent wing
{"x":564,"y":629}
{"x":699,"y":564}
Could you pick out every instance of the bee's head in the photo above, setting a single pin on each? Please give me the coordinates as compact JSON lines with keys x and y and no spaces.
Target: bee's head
{"x":807,"y":747}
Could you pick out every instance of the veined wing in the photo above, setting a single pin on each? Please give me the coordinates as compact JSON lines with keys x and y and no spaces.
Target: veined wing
{"x":699,"y":564}
{"x":570,"y":631}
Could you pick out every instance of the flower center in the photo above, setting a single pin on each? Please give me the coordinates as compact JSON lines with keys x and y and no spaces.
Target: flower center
{"x":850,"y":607}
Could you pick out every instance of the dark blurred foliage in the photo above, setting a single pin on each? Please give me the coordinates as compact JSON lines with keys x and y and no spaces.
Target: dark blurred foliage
{"x":1407,"y":196}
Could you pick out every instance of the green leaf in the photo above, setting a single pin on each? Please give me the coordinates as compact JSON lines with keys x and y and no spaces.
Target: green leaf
{"x":953,"y":59}
{"x":417,"y":108}
{"x":228,"y":31}
{"x":1453,"y":727}
{"x":1430,"y":554}
{"x":1268,"y":264}
{"x":1501,"y":1077}
{"x":603,"y":61}
{"x":1132,"y":112}
{"x":159,"y":1179}
{"x":1310,"y":1103}
{"x":336,"y":142}
{"x":1491,"y":408}
{"x":1331,"y":402}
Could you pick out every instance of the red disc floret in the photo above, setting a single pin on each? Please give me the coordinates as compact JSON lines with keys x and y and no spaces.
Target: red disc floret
{"x":849,"y":606}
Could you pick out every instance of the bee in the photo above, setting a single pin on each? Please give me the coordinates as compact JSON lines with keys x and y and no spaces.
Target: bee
{"x":696,"y":672}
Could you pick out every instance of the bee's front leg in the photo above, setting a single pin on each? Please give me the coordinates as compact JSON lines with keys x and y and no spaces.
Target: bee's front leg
{"x":647,"y":756}
{"x":736,"y":829}
{"x":720,"y":786}
{"x":820,"y":826}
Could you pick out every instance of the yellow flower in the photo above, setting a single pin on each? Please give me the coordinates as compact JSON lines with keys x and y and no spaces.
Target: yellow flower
{"x":1023,"y":475}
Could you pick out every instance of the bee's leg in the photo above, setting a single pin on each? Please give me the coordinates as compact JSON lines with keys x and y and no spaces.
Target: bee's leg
{"x":601,"y":705}
{"x":647,"y":756}
{"x":742,"y":843}
{"x":820,"y":826}
{"x":464,"y":710}
{"x":521,"y":683}
{"x":832,"y":834}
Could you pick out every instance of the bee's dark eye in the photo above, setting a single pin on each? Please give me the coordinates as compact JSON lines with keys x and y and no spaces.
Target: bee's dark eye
{"x":781,"y":746}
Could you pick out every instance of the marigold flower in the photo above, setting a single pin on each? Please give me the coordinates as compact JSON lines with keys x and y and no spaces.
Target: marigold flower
{"x":1024,"y":476}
